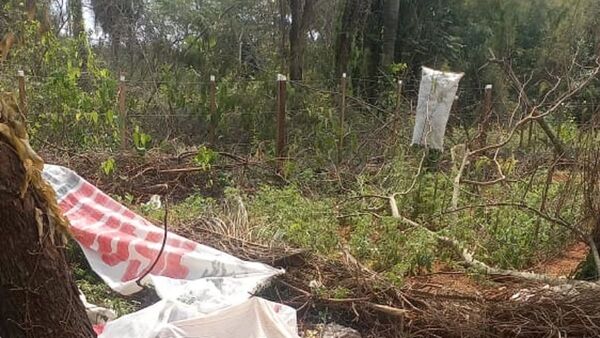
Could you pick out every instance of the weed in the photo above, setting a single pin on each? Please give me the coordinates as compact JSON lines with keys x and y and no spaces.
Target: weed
{"x":289,"y":216}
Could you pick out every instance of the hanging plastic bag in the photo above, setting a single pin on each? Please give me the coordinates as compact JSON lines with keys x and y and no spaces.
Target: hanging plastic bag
{"x":436,"y":95}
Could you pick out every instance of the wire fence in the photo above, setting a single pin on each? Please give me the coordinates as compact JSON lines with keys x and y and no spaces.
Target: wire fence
{"x":245,"y":110}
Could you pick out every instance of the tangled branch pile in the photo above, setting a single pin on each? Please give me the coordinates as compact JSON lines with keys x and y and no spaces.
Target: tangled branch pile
{"x":154,"y":172}
{"x":354,"y":295}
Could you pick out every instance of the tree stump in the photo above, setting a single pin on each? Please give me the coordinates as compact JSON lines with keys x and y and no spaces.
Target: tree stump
{"x":38,"y":296}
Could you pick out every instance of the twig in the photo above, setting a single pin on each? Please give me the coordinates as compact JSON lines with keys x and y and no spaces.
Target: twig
{"x":501,"y":175}
{"x":457,"y":178}
{"x":541,"y":214}
{"x":533,"y":115}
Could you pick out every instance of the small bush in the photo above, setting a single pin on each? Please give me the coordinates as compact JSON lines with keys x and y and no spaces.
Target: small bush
{"x":289,"y":216}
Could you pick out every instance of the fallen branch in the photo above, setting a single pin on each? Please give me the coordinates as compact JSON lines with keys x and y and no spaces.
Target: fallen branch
{"x":392,"y":311}
{"x":457,"y":178}
{"x":470,"y":261}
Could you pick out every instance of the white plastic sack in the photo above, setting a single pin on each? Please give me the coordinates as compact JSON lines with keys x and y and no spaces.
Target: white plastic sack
{"x":436,"y":95}
{"x":96,"y":314}
{"x":255,"y":318}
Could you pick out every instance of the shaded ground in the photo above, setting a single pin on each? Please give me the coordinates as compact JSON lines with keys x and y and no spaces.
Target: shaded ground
{"x":565,"y":263}
{"x":448,"y":302}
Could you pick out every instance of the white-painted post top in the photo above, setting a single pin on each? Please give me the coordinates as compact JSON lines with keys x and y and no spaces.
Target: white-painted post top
{"x":213,"y":78}
{"x":281,"y":77}
{"x":344,"y":75}
{"x":20,"y":73}
{"x":400,"y":82}
{"x":122,"y":78}
{"x":488,"y":87}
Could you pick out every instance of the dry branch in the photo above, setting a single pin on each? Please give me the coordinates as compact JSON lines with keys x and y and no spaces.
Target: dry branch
{"x":470,"y":261}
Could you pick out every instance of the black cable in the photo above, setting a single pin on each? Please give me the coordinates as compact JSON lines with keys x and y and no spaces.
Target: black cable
{"x":162,"y":247}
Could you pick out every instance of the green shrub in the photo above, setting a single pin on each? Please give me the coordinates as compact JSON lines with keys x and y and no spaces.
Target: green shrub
{"x":289,"y":216}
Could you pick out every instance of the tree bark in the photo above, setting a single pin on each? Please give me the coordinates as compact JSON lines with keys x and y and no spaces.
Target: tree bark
{"x":38,"y":296}
{"x":282,"y":32}
{"x":390,"y":30}
{"x":76,"y":14}
{"x":372,"y":48}
{"x":559,"y":148}
{"x":78,"y":30}
{"x":348,"y":28}
{"x":297,"y":41}
{"x":302,"y":12}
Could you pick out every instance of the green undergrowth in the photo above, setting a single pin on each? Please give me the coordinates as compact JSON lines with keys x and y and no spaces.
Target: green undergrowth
{"x":501,"y":237}
{"x":93,"y":287}
{"x":310,"y":210}
{"x":289,"y":216}
{"x":182,"y":212}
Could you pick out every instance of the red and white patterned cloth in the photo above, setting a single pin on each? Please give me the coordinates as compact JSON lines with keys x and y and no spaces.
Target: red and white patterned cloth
{"x":120,"y":246}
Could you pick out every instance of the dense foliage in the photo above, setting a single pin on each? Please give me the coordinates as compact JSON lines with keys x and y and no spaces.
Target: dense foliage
{"x":329,"y":193}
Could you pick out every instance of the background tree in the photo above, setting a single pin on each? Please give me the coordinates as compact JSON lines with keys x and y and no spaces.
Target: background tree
{"x":77,"y":25}
{"x":390,"y":31}
{"x":302,"y":14}
{"x":351,"y":21}
{"x":118,"y":19}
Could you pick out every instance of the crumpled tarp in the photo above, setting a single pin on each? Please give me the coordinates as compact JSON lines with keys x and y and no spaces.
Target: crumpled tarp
{"x":197,"y":284}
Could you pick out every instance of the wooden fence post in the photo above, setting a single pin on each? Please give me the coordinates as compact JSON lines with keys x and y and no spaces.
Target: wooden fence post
{"x":281,"y":93}
{"x":530,"y":132}
{"x":213,"y":109}
{"x":398,"y":97}
{"x":485,"y":117}
{"x":22,"y":93}
{"x":123,"y":111}
{"x":342,"y":116}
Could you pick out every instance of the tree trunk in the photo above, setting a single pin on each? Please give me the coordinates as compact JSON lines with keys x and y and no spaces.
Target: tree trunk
{"x":390,"y":30}
{"x":31,"y":9}
{"x":78,"y":30}
{"x":297,"y":45}
{"x":591,"y":207}
{"x":282,"y":29}
{"x":350,"y":17}
{"x":38,"y":297}
{"x":5,"y":45}
{"x":297,"y":41}
{"x":372,"y":49}
{"x":76,"y":14}
{"x":559,"y":148}
{"x":302,"y":14}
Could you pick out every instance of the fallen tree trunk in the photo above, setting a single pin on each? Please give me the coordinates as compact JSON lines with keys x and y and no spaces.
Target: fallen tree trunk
{"x":38,"y":296}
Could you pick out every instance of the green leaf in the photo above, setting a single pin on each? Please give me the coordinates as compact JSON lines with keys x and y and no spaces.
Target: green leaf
{"x":205,"y":158}
{"x":108,"y":167}
{"x":212,"y":42}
